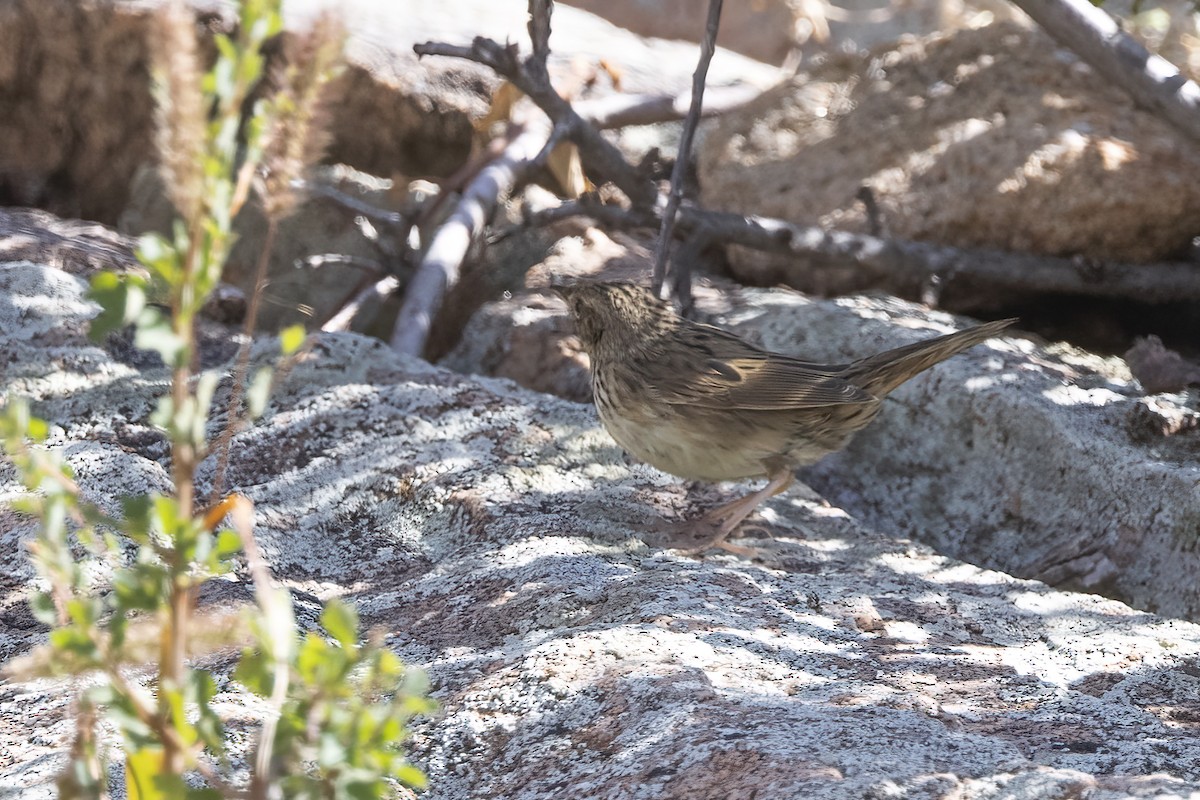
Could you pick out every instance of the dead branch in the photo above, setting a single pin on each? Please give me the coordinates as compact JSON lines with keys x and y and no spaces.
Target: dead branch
{"x":439,"y":268}
{"x":378,"y":290}
{"x":619,"y":110}
{"x":351,"y":202}
{"x":1094,"y":36}
{"x":682,"y":160}
{"x":531,"y":76}
{"x":963,"y":280}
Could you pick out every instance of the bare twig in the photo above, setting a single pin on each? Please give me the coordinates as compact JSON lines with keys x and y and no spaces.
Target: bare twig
{"x":598,"y":154}
{"x":557,"y":134}
{"x":969,"y":279}
{"x":1094,"y":36}
{"x":440,"y":267}
{"x":689,"y":254}
{"x":351,"y":202}
{"x":874,"y":215}
{"x":367,"y":265}
{"x":539,"y":35}
{"x":619,"y":110}
{"x":683,"y":159}
{"x":587,"y":206}
{"x":461,"y":177}
{"x":378,"y":290}
{"x":235,"y":416}
{"x":277,"y":614}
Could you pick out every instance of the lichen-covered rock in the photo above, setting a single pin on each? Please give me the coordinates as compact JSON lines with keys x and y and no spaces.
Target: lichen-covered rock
{"x":526,"y":339}
{"x":494,"y":534}
{"x":994,"y":137}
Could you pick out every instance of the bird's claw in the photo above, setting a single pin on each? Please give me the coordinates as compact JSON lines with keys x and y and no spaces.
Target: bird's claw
{"x":696,"y":536}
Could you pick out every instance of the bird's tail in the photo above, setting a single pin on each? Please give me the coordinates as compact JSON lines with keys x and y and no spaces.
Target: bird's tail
{"x":881,"y":373}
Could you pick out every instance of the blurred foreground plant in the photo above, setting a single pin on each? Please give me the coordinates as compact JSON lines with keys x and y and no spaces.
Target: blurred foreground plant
{"x":336,"y":709}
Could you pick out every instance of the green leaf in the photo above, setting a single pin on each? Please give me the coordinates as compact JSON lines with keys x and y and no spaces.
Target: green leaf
{"x":84,"y":611}
{"x":221,"y":81}
{"x":166,"y":515}
{"x":30,"y":506}
{"x":201,"y":690}
{"x":225,"y":47}
{"x":205,"y":386}
{"x":119,"y":711}
{"x":254,"y":672}
{"x":229,"y":544}
{"x":331,"y":752}
{"x":411,"y":776}
{"x":140,"y":587}
{"x":314,"y":660}
{"x":259,"y":392}
{"x":122,"y":298}
{"x":178,"y":713}
{"x":161,"y":257}
{"x":36,"y":429}
{"x":154,"y":332}
{"x":74,"y":642}
{"x":43,"y":608}
{"x":168,"y":786}
{"x":138,"y":522}
{"x":363,"y":790}
{"x":226,"y":545}
{"x":54,"y":520}
{"x":203,"y":794}
{"x":163,"y":416}
{"x":291,"y":339}
{"x":341,"y":622}
{"x":141,"y":767}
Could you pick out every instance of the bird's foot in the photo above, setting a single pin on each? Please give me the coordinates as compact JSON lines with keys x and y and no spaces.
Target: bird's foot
{"x":713,"y":528}
{"x":697,"y":535}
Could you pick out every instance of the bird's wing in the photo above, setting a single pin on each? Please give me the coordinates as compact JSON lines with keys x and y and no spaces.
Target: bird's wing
{"x":726,"y":372}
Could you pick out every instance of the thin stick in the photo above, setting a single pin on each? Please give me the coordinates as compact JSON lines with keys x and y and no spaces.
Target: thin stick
{"x":234,"y":417}
{"x":971,"y":279}
{"x":378,"y":290}
{"x":1152,"y":81}
{"x":599,"y":155}
{"x":351,"y":202}
{"x":276,"y":613}
{"x":539,"y":34}
{"x":619,"y":110}
{"x":682,"y":160}
{"x":442,"y":264}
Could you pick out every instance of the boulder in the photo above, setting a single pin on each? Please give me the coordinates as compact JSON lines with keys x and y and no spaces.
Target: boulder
{"x":994,"y":137}
{"x":766,"y":30}
{"x":493,"y":533}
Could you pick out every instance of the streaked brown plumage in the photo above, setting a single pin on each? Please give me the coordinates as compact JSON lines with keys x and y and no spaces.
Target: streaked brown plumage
{"x":701,"y":403}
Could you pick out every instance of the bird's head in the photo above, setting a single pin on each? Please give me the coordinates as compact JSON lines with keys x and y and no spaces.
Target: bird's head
{"x":616,"y":316}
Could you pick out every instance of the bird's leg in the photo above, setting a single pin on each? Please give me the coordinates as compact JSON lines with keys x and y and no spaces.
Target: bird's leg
{"x":724,"y":520}
{"x":731,"y":515}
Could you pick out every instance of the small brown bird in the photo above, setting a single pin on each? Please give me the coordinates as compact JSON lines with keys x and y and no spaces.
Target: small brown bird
{"x":700,"y":403}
